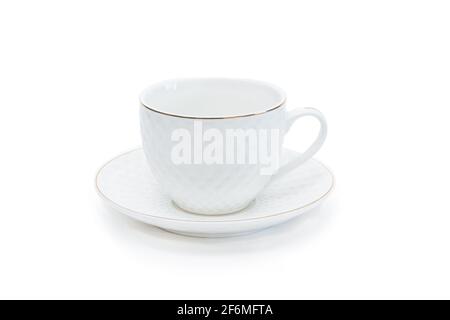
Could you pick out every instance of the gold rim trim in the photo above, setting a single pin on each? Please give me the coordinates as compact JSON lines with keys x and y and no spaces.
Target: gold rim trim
{"x":123,"y":209}
{"x":214,"y":118}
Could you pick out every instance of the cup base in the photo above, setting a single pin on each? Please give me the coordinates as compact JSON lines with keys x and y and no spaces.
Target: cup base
{"x":213,"y":211}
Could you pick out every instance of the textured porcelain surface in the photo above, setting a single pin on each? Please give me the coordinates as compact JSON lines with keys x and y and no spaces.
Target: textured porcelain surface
{"x":127,"y":184}
{"x":215,"y":189}
{"x":206,"y":189}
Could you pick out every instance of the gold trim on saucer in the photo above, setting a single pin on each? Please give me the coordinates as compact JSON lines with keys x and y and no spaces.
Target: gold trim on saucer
{"x":123,"y":210}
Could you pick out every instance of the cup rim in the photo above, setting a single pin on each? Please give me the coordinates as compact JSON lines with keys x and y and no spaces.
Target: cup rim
{"x":259,"y":82}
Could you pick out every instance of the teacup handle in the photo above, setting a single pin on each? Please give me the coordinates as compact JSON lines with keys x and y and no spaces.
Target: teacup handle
{"x":293,"y":116}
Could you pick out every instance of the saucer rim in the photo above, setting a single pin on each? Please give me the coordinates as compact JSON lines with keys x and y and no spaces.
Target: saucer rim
{"x":121,"y":208}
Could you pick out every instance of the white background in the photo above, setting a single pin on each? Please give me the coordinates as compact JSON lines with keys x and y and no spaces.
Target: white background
{"x":70,"y":76}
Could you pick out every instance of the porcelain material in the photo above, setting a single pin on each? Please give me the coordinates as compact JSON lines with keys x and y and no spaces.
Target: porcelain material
{"x":221,"y":105}
{"x":128,"y":186}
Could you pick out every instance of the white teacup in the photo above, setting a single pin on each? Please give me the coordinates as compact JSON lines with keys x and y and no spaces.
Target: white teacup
{"x":213,"y":144}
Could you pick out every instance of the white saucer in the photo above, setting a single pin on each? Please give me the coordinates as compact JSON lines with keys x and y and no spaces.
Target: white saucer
{"x":126,"y":184}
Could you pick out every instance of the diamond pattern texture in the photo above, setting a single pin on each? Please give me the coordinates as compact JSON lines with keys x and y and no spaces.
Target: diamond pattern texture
{"x":200,"y":188}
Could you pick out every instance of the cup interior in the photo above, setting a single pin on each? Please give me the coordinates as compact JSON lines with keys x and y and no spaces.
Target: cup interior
{"x":212,"y":97}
